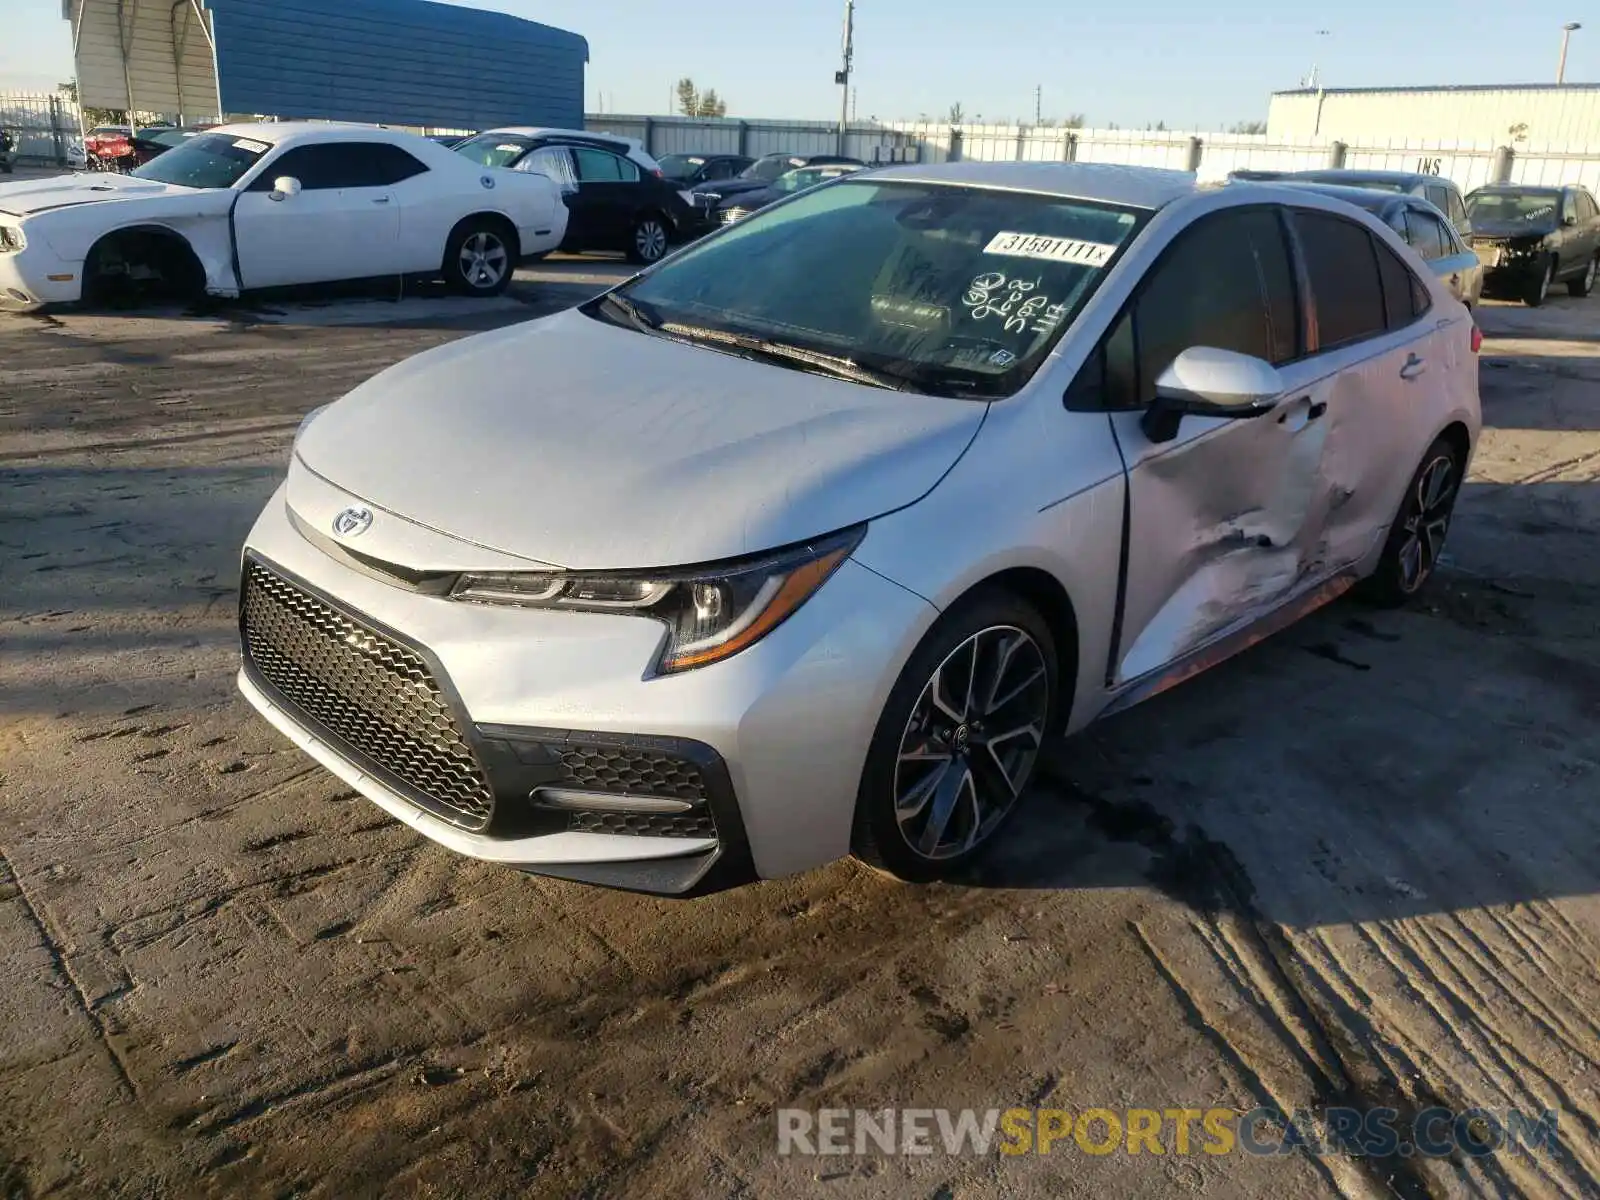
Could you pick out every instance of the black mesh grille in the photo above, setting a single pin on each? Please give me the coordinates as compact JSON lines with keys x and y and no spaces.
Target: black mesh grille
{"x":697,"y":825}
{"x":374,"y":694}
{"x":631,"y":770}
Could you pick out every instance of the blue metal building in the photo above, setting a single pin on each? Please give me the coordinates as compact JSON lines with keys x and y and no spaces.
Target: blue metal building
{"x":395,"y":62}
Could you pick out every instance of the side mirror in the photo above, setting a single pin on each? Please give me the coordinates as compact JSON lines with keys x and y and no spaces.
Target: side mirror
{"x":283,"y":187}
{"x":1206,"y":382}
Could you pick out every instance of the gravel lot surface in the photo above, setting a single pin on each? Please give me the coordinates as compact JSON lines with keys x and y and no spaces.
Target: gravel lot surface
{"x":1356,"y":865}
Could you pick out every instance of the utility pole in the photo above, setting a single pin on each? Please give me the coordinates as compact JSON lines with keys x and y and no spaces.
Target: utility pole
{"x":842,"y":78}
{"x":1561,"y":64}
{"x":1038,"y":102}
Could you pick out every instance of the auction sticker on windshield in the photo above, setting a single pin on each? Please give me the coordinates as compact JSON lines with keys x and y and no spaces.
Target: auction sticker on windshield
{"x":1053,"y":249}
{"x":247,"y":144}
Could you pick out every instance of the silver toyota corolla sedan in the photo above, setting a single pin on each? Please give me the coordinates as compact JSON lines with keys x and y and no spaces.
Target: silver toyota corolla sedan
{"x":800,"y":543}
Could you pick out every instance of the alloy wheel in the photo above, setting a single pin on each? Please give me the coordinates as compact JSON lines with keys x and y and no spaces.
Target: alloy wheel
{"x":650,"y":239}
{"x":483,"y":259}
{"x":1427,"y":521}
{"x":970,"y":743}
{"x":1588,"y":277}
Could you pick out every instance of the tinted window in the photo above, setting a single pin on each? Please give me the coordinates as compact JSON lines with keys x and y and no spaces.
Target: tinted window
{"x":1457,"y":212}
{"x":1427,"y":235}
{"x":601,"y":166}
{"x":1343,"y":271}
{"x":392,"y":163}
{"x":1404,"y":299}
{"x":328,"y":165}
{"x":1225,"y":283}
{"x":723,"y":168}
{"x":1436,"y":196}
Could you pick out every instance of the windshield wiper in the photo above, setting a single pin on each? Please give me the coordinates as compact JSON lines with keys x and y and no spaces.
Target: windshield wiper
{"x":783,"y":354}
{"x":631,"y":312}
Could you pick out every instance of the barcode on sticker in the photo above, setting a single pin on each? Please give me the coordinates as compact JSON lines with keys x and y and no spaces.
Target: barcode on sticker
{"x":1054,"y":249}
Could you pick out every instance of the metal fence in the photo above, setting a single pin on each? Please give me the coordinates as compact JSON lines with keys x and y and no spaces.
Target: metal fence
{"x":1211,"y":155}
{"x":41,"y":124}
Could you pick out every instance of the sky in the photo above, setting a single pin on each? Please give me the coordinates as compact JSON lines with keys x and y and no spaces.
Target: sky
{"x":1190,"y":65}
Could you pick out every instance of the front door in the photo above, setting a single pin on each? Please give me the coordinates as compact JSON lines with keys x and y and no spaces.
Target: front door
{"x":344,"y":223}
{"x":1225,"y":518}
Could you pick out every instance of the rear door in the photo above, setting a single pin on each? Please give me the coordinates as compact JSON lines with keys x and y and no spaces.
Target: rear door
{"x":1588,"y":223}
{"x":343,"y":224}
{"x":1443,"y":252}
{"x":610,"y":191}
{"x":555,"y":163}
{"x":1376,"y":346}
{"x":1225,"y":520}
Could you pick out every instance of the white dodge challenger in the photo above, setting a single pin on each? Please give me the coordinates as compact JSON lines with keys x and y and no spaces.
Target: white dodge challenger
{"x":252,"y":206}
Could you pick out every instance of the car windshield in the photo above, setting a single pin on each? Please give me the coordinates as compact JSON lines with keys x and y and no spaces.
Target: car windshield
{"x":768,"y":167}
{"x":955,"y":291}
{"x":169,"y":137}
{"x":494,"y":149}
{"x":680,"y":166}
{"x":1531,"y":207}
{"x":209,"y":160}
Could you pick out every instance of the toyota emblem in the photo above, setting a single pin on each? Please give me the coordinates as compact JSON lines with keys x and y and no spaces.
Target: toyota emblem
{"x":352,"y":522}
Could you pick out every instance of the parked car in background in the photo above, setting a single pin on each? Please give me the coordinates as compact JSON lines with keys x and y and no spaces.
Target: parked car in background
{"x":777,"y":634}
{"x":742,"y":204}
{"x":1530,"y":238}
{"x":509,"y":146}
{"x":692,"y":170}
{"x":106,"y":146}
{"x":1422,"y":227}
{"x":1435,"y":189}
{"x":612,"y":201}
{"x":764,"y":171}
{"x":250,"y":206}
{"x":8,"y":152}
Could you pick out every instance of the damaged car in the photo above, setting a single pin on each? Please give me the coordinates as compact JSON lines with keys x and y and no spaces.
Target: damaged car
{"x":268,"y":205}
{"x":801,"y":543}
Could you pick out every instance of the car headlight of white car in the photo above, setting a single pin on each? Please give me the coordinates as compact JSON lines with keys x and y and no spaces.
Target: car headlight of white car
{"x":711,"y":613}
{"x":12,"y":239}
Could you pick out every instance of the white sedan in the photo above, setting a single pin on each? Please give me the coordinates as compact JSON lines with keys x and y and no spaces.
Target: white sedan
{"x":251,"y":206}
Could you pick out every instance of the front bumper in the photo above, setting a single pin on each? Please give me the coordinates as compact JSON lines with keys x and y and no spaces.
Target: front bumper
{"x":772,"y":741}
{"x":36,"y":275}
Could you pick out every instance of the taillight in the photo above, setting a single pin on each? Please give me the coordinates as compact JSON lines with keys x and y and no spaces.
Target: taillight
{"x":1477,"y":338}
{"x":658,"y":173}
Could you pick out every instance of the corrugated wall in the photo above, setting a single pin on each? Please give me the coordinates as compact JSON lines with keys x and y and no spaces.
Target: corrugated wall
{"x":169,"y":58}
{"x":1547,"y":114}
{"x":396,"y":62}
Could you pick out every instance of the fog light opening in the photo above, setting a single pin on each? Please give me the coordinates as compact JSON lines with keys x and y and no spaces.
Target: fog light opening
{"x":576,"y":800}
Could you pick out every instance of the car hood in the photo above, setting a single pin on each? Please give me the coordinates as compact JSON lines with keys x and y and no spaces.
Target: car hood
{"x":731,"y":187}
{"x":61,"y":191}
{"x":574,"y":443}
{"x":1512,"y":229}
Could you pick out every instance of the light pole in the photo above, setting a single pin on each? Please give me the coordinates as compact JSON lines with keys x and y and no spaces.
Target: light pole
{"x":1561,"y":63}
{"x":842,"y":78}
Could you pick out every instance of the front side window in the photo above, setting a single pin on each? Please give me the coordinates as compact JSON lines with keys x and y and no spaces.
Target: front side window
{"x":210,"y":160}
{"x":769,"y":166}
{"x":1437,"y":197}
{"x":324,"y":166}
{"x":494,"y":149}
{"x":1457,"y":212}
{"x":1224,"y":283}
{"x":947,"y":290}
{"x":601,"y":166}
{"x":1342,"y":269}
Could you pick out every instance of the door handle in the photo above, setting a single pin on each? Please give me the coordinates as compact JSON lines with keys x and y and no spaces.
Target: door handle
{"x":1316,"y":410}
{"x":1313,"y":411}
{"x":1414,"y":367}
{"x":380,"y":199}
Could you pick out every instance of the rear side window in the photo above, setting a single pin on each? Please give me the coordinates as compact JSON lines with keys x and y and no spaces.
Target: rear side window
{"x":1427,"y":235}
{"x":1586,"y":206}
{"x":1342,"y":267}
{"x":1225,"y":283}
{"x":1404,"y":297}
{"x":601,"y":166}
{"x":1436,"y":196}
{"x":1457,"y":211}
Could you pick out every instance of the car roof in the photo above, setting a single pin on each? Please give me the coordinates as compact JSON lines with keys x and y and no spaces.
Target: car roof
{"x":1134,"y":187}
{"x":538,"y":131}
{"x":1522,"y":187}
{"x":275,"y":132}
{"x":1368,"y":198}
{"x":1354,"y":177}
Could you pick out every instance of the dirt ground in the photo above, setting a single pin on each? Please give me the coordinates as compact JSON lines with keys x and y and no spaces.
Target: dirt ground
{"x":1355,"y":866}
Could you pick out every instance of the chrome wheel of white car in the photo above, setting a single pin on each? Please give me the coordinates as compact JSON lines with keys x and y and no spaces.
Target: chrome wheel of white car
{"x":480,"y":257}
{"x":649,"y":240}
{"x":971,"y":742}
{"x":484,"y":260}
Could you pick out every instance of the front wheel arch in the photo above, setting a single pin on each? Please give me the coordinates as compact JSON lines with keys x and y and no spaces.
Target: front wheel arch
{"x":158,"y":248}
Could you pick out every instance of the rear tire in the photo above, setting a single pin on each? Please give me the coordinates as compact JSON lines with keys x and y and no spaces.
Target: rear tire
{"x":647,"y":241}
{"x":1540,"y":289}
{"x":1416,"y":539}
{"x":1584,"y":284}
{"x":958,"y":738}
{"x":480,"y":257}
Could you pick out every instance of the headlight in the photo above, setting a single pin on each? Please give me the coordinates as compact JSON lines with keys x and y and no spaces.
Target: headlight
{"x":711,"y":613}
{"x":12,"y":239}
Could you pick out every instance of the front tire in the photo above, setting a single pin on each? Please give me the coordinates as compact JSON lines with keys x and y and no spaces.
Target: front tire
{"x":480,"y":256}
{"x":1416,"y":539}
{"x":647,"y":243}
{"x":1540,"y":289}
{"x":1584,"y":284}
{"x":958,"y":738}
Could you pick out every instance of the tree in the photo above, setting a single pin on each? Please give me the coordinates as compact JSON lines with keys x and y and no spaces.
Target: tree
{"x":1074,"y":121}
{"x":957,"y":114}
{"x":694,"y":103}
{"x":1248,"y":127}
